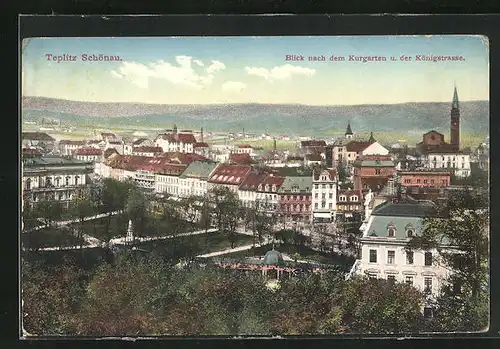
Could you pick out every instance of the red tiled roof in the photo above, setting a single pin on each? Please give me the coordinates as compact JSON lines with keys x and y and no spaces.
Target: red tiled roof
{"x":332,"y":173}
{"x":139,"y":141}
{"x":357,"y":146}
{"x":313,"y":143}
{"x":70,"y":142}
{"x":179,"y":137}
{"x":88,"y":151}
{"x":273,"y":179}
{"x":374,"y":182}
{"x":200,"y":145}
{"x":37,"y":136}
{"x":253,"y":180}
{"x":28,"y":152}
{"x":241,"y":159}
{"x":148,"y":150}
{"x":230,"y":174}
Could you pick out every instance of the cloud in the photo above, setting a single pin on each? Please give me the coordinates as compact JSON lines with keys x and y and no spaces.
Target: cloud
{"x":233,"y":86}
{"x":215,"y":66}
{"x":181,"y":73}
{"x":200,"y":63}
{"x":280,"y":72}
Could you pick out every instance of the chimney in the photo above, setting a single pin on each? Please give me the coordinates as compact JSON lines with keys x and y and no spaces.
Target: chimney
{"x":202,"y":134}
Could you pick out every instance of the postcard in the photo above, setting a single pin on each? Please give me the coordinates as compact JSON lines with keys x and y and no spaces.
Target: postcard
{"x":254,"y":186}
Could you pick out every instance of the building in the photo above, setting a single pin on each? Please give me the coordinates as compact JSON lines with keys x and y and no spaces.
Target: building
{"x":424,"y":178}
{"x":243,"y":149}
{"x":167,"y":178}
{"x":339,"y":151}
{"x":313,"y":159}
{"x":229,"y":176}
{"x":324,"y":196}
{"x":38,"y":140}
{"x":193,"y":181}
{"x":176,"y":141}
{"x":67,"y":147}
{"x":147,"y":151}
{"x":107,"y":136}
{"x":295,"y":198}
{"x":312,"y":147}
{"x":201,"y":148}
{"x":88,"y":154}
{"x":372,"y":172}
{"x":53,"y":178}
{"x":436,"y":153}
{"x":349,"y":201}
{"x":267,"y":197}
{"x":385,"y":236}
{"x":143,"y":142}
{"x":247,"y":191}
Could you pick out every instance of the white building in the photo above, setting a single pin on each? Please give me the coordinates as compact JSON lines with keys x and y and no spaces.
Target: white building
{"x":458,"y":162}
{"x":176,"y":142}
{"x":53,"y":178}
{"x":324,"y":195}
{"x":88,"y":154}
{"x":67,"y":147}
{"x":385,"y":236}
{"x":193,"y":181}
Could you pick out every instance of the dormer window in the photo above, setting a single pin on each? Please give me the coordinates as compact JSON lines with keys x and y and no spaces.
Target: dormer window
{"x":324,"y":178}
{"x":260,"y":186}
{"x":410,"y":231}
{"x":342,"y":198}
{"x":354,"y":198}
{"x":267,"y":187}
{"x":391,"y":230}
{"x":274,"y":187}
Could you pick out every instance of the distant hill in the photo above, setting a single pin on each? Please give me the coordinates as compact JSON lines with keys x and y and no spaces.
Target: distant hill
{"x":286,"y":119}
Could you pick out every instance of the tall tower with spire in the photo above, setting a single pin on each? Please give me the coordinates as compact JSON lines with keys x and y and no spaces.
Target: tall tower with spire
{"x":455,"y":122}
{"x":348,"y":132}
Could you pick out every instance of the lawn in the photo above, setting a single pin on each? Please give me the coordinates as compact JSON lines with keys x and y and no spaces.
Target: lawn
{"x":50,"y":237}
{"x":201,"y":244}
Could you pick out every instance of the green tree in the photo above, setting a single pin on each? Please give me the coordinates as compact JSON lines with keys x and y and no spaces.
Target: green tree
{"x":114,"y":195}
{"x":137,"y":211}
{"x":375,"y":306}
{"x":48,"y":211}
{"x":460,"y":235}
{"x":226,"y":209}
{"x":82,"y":207}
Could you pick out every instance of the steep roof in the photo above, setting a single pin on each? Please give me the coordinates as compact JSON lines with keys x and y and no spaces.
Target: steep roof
{"x":454,"y":104}
{"x":230,"y":174}
{"x":350,"y":192}
{"x":70,"y":142}
{"x":348,"y":131}
{"x":139,"y":141}
{"x":179,"y":137}
{"x":88,"y":151}
{"x":331,"y":172}
{"x":405,"y":209}
{"x":272,"y":179}
{"x":200,"y":145}
{"x":357,"y":146}
{"x":199,"y":169}
{"x":302,"y":184}
{"x":241,"y":159}
{"x":148,"y":150}
{"x":108,"y":152}
{"x":183,"y":158}
{"x":253,"y":180}
{"x":37,"y":136}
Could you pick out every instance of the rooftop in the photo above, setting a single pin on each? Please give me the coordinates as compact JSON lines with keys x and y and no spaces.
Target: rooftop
{"x":199,"y":169}
{"x":416,"y":209}
{"x":302,"y":184}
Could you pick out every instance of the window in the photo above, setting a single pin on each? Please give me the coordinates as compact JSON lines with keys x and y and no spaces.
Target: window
{"x":391,"y":278}
{"x":342,"y":198}
{"x":391,"y":256}
{"x":377,"y":171}
{"x":330,"y":196}
{"x":432,"y":181}
{"x":391,"y":231}
{"x":372,"y":275}
{"x":427,"y":284}
{"x":316,"y":205}
{"x":316,"y":195}
{"x":354,"y":198}
{"x":331,"y":186}
{"x":409,"y":280}
{"x":323,"y":186}
{"x":418,"y":181}
{"x":373,"y":256}
{"x":58,"y":180}
{"x":323,"y":204}
{"x":428,"y":258}
{"x":330,"y":205}
{"x":409,"y":257}
{"x":425,"y":181}
{"x":407,"y":181}
{"x":323,"y":178}
{"x":323,"y":196}
{"x":457,"y":288}
{"x":410,"y":233}
{"x":428,"y":313}
{"x":316,"y":186}
{"x":28,"y":184}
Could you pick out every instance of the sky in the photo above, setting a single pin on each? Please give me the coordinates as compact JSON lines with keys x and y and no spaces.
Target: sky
{"x":214,"y":70}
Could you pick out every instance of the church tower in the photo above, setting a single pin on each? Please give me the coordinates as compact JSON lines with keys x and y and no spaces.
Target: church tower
{"x":348,"y":132}
{"x":455,"y":122}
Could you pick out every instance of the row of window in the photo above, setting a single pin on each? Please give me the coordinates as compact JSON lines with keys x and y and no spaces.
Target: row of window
{"x":298,"y":208}
{"x":391,"y":257}
{"x":323,"y":196}
{"x":426,"y":181}
{"x":294,"y":198}
{"x":323,"y":205}
{"x":408,"y":280}
{"x":48,"y":182}
{"x":450,"y":165}
{"x":323,"y":186}
{"x":434,"y":158}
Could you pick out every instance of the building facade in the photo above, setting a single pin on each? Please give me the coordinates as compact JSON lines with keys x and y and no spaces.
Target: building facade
{"x":295,"y":198}
{"x":324,"y":196}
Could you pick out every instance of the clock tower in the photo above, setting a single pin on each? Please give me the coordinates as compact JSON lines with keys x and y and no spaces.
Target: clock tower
{"x":455,"y":122}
